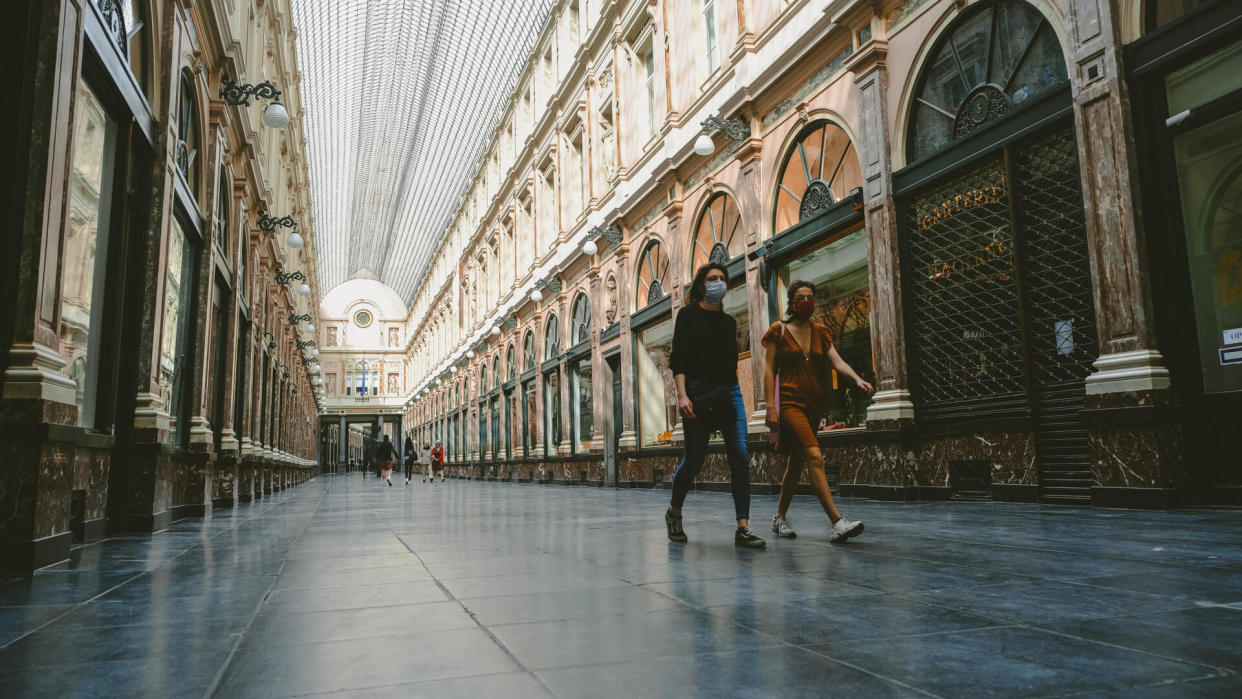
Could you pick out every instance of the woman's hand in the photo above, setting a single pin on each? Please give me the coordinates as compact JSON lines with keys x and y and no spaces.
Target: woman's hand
{"x":866,"y":387}
{"x":685,"y":407}
{"x":773,"y":418}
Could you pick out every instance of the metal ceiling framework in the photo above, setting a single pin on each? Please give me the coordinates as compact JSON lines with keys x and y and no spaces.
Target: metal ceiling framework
{"x":401,"y":98}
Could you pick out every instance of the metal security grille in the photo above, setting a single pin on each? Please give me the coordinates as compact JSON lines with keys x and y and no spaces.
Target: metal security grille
{"x":1055,"y":265}
{"x":961,"y":257}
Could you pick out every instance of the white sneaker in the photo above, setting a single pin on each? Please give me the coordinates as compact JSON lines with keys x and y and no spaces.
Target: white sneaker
{"x":782,"y":528}
{"x":845,"y":528}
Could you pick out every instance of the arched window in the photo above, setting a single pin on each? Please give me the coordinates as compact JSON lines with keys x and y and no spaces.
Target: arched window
{"x":222,"y":213}
{"x":528,"y":351}
{"x":718,"y":237}
{"x":483,"y":379}
{"x":187,"y":133}
{"x":496,"y":371}
{"x":820,"y":169}
{"x":552,"y":339}
{"x":581,"y":322}
{"x":511,"y":363}
{"x":136,"y":33}
{"x":652,"y":275}
{"x":997,"y":56}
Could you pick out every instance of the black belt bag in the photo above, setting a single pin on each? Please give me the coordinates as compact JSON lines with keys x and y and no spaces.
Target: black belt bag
{"x":711,"y":400}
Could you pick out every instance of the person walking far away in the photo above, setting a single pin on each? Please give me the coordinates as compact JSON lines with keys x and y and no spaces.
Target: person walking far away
{"x":704,"y":366}
{"x":411,"y":453}
{"x":383,"y":457}
{"x":437,"y":463}
{"x":424,"y":460}
{"x":799,"y":356}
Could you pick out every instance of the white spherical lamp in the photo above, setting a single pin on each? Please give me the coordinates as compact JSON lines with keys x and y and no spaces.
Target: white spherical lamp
{"x":536,"y":295}
{"x":589,"y":248}
{"x":315,"y":352}
{"x":703,"y":145}
{"x":494,"y":331}
{"x":293,"y":240}
{"x":304,"y":290}
{"x":469,"y":354}
{"x":276,"y":116}
{"x":308,"y":328}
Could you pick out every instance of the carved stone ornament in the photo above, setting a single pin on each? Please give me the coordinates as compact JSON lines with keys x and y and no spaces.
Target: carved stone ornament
{"x":114,"y":20}
{"x":817,"y":198}
{"x":985,"y":103}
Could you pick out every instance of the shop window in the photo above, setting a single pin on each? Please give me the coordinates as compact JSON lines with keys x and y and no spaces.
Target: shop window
{"x":737,"y":304}
{"x":820,"y":169}
{"x":552,"y":411}
{"x":1209,"y":173}
{"x":583,"y":407}
{"x":838,"y":269}
{"x":718,"y":237}
{"x":580,"y":320}
{"x":652,"y":273}
{"x":176,"y":376}
{"x":657,"y":392}
{"x":530,"y":423}
{"x":83,"y":281}
{"x":996,"y":58}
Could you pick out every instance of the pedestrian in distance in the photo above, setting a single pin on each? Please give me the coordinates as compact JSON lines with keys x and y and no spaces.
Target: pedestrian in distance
{"x":709,"y":399}
{"x":411,"y":453}
{"x":437,"y":463}
{"x":383,"y":459}
{"x":424,"y":460}
{"x":799,"y":356}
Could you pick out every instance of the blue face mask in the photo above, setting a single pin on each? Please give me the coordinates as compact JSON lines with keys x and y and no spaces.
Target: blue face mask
{"x":714,"y":291}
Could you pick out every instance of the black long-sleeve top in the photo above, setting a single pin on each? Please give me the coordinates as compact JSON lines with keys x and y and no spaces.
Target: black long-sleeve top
{"x":704,"y":346}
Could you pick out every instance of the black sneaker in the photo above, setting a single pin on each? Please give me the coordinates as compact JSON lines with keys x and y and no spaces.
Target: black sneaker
{"x":746,"y":538}
{"x":675,"y":532}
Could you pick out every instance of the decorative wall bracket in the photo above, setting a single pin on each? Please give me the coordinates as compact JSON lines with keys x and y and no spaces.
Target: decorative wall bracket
{"x":283,"y":278}
{"x":240,"y":93}
{"x":304,"y":344}
{"x":269,"y":223}
{"x":510,"y":321}
{"x":735,"y":129}
{"x":302,"y":318}
{"x":553,"y":285}
{"x":271,"y":340}
{"x":612,"y":234}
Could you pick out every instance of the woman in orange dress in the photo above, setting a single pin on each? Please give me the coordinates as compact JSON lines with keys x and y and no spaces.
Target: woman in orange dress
{"x":801,"y":352}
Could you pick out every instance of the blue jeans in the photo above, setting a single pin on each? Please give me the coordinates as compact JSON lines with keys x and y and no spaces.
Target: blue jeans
{"x":698,"y":431}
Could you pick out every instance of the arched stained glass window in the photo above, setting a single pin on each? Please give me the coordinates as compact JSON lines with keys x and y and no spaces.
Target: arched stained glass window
{"x":820,"y":169}
{"x":511,"y":362}
{"x":187,"y":133}
{"x":718,"y":237}
{"x":552,"y":338}
{"x":998,"y":56}
{"x":528,"y":351}
{"x":581,"y":327}
{"x":652,"y":275}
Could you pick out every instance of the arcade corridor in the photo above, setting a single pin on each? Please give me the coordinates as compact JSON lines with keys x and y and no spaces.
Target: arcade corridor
{"x":483,"y":589}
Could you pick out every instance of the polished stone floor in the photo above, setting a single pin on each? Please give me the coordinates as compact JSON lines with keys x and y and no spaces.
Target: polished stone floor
{"x":484,"y":589}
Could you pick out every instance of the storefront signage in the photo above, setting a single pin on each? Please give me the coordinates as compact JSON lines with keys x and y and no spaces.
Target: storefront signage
{"x":929,"y":216}
{"x":995,"y":250}
{"x":1231,"y":355}
{"x":1233,"y":336}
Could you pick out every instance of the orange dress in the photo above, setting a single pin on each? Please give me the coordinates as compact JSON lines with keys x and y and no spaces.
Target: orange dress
{"x":802,"y":391}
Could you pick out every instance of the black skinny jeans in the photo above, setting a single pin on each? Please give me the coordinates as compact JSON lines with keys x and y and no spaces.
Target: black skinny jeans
{"x":697,"y":432}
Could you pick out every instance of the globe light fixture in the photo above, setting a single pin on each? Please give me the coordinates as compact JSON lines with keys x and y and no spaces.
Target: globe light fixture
{"x":293,"y":240}
{"x":494,"y":331}
{"x":308,"y":328}
{"x":304,"y":290}
{"x":469,"y":354}
{"x":589,"y":248}
{"x":703,"y":145}
{"x":315,"y":352}
{"x":452,"y":370}
{"x":276,"y":116}
{"x":536,"y":296}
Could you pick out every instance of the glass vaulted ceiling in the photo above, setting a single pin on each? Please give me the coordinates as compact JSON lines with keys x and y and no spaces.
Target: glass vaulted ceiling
{"x":401,"y":97}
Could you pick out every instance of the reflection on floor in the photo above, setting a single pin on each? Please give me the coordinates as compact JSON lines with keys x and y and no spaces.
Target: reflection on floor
{"x":481,"y":589}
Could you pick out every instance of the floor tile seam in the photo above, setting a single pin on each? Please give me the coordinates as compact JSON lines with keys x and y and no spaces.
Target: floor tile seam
{"x":415,"y":683}
{"x":421,"y":634}
{"x":241,"y":635}
{"x":672,"y":654}
{"x":872,"y":673}
{"x":968,"y":566}
{"x":76,"y":607}
{"x":1054,"y":551}
{"x":913,"y":636}
{"x":1084,"y":582}
{"x":488,"y":632}
{"x":1143,"y":685}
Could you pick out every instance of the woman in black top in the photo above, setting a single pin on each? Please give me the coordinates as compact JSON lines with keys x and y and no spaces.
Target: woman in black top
{"x":704,"y":365}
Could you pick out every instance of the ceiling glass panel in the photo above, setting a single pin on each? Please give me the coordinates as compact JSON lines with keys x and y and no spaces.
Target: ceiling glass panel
{"x":401,"y":97}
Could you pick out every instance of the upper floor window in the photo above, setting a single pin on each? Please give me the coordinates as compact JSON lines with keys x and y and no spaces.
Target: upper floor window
{"x":496,"y":371}
{"x":821,"y":168}
{"x":709,"y":33}
{"x":187,"y":133}
{"x":135,"y":41}
{"x":511,"y":363}
{"x":580,"y":328}
{"x":997,"y":56}
{"x":552,"y":339}
{"x":222,"y":212}
{"x":652,"y":275}
{"x":528,"y":351}
{"x":718,"y":237}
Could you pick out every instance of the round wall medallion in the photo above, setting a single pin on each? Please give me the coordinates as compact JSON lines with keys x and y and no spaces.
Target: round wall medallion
{"x":362,"y":319}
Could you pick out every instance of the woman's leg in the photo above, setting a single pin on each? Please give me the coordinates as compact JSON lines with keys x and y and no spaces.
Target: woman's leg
{"x":815,"y":469}
{"x":691,"y":462}
{"x":734,"y":432}
{"x":789,"y":484}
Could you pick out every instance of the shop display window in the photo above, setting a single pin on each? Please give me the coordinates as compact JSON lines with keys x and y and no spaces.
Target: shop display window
{"x":657,"y":393}
{"x":584,"y":411}
{"x":552,"y":411}
{"x":82,"y":283}
{"x":175,"y":362}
